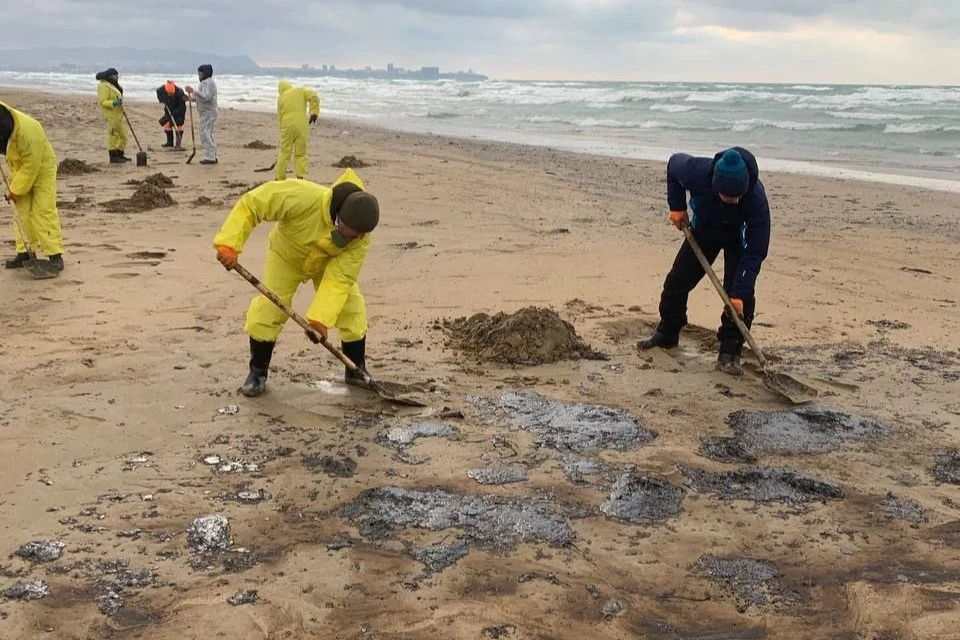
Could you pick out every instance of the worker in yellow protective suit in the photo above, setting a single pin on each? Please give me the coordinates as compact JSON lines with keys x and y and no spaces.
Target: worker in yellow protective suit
{"x":33,"y":186}
{"x":110,"y":98}
{"x":292,"y":113}
{"x":322,"y":235}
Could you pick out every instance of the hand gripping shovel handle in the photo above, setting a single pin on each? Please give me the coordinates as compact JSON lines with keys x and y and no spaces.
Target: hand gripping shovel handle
{"x":315,"y":337}
{"x":723,"y":294}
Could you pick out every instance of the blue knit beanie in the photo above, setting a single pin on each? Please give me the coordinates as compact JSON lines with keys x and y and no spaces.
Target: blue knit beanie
{"x":730,"y":175}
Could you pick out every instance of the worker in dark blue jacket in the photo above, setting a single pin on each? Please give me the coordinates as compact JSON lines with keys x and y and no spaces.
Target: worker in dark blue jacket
{"x":729,"y":213}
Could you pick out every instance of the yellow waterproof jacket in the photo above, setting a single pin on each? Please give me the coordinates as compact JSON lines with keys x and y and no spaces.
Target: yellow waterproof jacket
{"x":29,"y":152}
{"x":292,"y":104}
{"x":301,"y":237}
{"x":106,"y":94}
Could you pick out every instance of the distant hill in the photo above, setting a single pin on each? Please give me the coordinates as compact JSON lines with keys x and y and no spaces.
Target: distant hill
{"x":124,"y":59}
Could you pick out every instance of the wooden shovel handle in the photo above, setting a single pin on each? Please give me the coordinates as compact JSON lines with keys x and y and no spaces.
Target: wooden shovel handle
{"x":315,"y":337}
{"x":135,"y":138}
{"x":16,"y":218}
{"x":723,"y":294}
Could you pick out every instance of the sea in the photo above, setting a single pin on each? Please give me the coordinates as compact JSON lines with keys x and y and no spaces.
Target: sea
{"x":907,"y":135}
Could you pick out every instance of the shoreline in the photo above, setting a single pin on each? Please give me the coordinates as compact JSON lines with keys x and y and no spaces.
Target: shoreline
{"x":595,"y":147}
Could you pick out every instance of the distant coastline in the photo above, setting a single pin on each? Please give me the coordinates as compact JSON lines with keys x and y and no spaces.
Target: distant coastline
{"x":92,"y":59}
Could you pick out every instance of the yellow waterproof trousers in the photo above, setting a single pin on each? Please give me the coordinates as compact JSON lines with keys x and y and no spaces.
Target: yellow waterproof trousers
{"x":293,"y":138}
{"x":38,"y":212}
{"x":116,"y":132}
{"x":265,"y":320}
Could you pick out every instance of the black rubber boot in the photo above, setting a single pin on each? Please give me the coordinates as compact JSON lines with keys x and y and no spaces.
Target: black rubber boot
{"x":169,"y":142}
{"x":260,"y":354}
{"x":658,"y":339}
{"x":356,"y":351}
{"x":115,"y":156}
{"x":17,"y":261}
{"x":57,"y":261}
{"x":729,"y":363}
{"x":123,"y":156}
{"x":179,"y":143}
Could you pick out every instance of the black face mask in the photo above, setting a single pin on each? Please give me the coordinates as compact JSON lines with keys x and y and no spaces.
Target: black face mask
{"x":338,"y":238}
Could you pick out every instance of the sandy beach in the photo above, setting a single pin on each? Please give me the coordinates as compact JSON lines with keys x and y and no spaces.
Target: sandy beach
{"x":120,"y":420}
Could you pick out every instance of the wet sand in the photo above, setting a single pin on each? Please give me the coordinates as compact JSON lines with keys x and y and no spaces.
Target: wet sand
{"x":622,"y":497}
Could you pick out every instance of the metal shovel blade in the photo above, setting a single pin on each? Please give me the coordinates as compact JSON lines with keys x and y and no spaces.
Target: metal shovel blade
{"x":40,"y":269}
{"x":396,"y":392}
{"x":141,"y":158}
{"x":788,"y":387}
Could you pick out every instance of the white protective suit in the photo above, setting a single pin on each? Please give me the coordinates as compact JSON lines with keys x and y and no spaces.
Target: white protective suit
{"x":206,"y":98}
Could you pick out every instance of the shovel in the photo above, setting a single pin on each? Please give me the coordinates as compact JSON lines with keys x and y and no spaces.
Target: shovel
{"x":193,"y":136}
{"x":177,"y":134}
{"x":39,"y":269}
{"x":392,"y":391}
{"x":783,"y":385}
{"x":141,"y":155}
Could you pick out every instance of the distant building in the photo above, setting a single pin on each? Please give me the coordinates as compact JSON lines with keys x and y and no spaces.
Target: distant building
{"x":430,"y":73}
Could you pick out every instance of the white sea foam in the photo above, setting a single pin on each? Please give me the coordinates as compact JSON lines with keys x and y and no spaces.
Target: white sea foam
{"x":673,"y":108}
{"x":761,"y":123}
{"x":867,"y":115}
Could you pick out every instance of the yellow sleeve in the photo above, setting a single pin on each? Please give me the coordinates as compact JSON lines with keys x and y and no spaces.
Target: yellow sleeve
{"x":339,"y":277}
{"x":273,"y":201}
{"x":312,"y":100}
{"x":103,"y":95}
{"x":31,"y":159}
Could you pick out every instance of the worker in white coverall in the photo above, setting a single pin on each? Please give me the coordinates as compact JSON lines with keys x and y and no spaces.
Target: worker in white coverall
{"x":322,"y":235}
{"x":292,"y":105}
{"x":205,"y":95}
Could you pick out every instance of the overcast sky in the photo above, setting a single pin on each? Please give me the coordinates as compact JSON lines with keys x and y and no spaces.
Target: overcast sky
{"x":856,"y":41}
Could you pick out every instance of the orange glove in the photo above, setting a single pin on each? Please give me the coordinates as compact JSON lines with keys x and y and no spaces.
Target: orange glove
{"x":10,"y":196}
{"x":680,"y":219}
{"x":319,"y":328}
{"x":738,"y":305}
{"x":227,"y":257}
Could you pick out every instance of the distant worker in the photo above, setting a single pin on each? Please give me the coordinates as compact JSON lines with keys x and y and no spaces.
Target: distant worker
{"x":174,"y":102}
{"x":205,"y":95}
{"x":322,"y":234}
{"x":292,"y":113}
{"x":110,"y":98}
{"x":730,"y":213}
{"x":33,"y":186}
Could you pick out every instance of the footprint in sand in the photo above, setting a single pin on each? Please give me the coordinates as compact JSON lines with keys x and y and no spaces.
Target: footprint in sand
{"x":123,"y":276}
{"x":147,"y":255}
{"x":141,"y":263}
